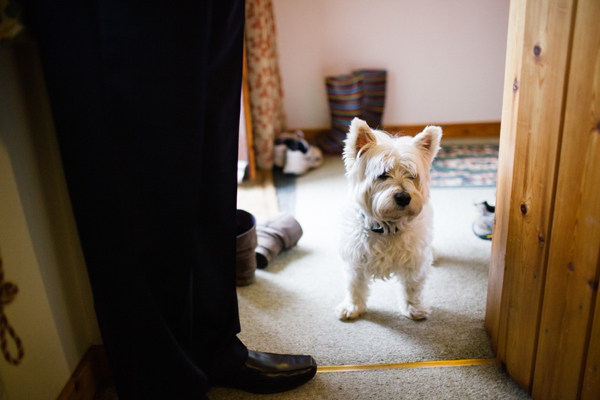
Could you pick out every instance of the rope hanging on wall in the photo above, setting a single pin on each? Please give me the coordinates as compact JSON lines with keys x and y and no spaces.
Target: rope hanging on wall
{"x":8,"y":291}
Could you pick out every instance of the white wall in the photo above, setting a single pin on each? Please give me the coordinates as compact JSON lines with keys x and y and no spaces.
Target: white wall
{"x":445,"y":58}
{"x":53,"y":311}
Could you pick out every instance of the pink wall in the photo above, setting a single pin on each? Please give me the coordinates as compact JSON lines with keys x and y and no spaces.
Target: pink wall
{"x":445,"y":58}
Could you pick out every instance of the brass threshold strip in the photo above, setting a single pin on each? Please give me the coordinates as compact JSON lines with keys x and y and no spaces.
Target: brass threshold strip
{"x":408,"y":365}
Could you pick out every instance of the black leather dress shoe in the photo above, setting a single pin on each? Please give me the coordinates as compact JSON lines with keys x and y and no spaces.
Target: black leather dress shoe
{"x":271,"y":373}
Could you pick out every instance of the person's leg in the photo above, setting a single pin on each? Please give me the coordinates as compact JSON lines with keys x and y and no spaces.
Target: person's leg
{"x":151,"y":172}
{"x":145,"y":96}
{"x":216,"y":213}
{"x":175,"y":91}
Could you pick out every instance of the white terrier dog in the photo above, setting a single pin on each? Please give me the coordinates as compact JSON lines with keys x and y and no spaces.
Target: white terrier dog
{"x":388,"y":230}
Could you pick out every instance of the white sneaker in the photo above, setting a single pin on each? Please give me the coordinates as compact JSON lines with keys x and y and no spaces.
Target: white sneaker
{"x":279,"y":154}
{"x":282,"y":144}
{"x":300,"y":160}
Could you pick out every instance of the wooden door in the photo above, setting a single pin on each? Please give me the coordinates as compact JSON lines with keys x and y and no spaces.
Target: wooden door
{"x":542,"y":311}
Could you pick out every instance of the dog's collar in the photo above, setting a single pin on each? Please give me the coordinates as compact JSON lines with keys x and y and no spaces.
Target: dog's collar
{"x":379,"y":229}
{"x":376,"y":227}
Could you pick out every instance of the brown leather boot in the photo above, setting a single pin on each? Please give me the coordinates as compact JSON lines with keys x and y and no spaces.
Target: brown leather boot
{"x":246,"y":242}
{"x":275,"y":234}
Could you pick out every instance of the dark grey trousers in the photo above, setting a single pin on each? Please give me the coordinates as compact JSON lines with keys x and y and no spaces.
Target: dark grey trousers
{"x":145,"y":96}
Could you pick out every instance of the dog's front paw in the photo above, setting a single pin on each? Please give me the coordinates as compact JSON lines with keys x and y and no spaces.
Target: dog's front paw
{"x":347,"y":311}
{"x":416,"y":312}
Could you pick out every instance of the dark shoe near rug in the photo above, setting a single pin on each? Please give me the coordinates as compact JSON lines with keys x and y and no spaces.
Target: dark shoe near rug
{"x":483,"y":225}
{"x":275,"y":234}
{"x":271,"y":373}
{"x":246,"y":242}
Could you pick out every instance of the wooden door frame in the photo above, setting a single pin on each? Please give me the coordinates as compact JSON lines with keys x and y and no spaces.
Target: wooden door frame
{"x":543,"y":312}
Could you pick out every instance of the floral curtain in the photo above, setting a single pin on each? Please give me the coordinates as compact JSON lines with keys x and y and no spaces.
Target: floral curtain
{"x":264,"y":80}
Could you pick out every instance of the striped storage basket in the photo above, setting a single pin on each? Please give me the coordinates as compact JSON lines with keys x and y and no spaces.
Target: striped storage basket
{"x":345,"y":94}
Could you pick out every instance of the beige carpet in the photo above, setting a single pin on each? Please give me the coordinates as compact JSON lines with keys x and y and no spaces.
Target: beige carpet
{"x":290,"y":307}
{"x":258,"y":197}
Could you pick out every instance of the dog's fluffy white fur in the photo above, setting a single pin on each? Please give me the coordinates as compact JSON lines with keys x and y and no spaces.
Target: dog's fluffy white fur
{"x":388,"y":224}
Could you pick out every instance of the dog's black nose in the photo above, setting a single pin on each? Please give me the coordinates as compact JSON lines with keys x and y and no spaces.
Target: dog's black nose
{"x":403,"y":199}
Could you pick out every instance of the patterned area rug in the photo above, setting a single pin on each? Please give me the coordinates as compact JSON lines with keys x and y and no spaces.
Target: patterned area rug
{"x":465,"y":166}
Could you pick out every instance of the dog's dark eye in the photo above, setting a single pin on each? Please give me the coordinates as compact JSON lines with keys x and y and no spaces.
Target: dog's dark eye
{"x":383,"y":176}
{"x":411,"y":177}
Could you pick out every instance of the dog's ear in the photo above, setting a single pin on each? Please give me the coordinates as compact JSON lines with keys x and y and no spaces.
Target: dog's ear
{"x":359,"y":136}
{"x":428,"y":142}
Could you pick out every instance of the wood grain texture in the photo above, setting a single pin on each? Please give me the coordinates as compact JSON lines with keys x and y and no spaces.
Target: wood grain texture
{"x":541,"y":87}
{"x":510,"y":107}
{"x":572,"y":274}
{"x":91,"y":373}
